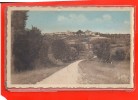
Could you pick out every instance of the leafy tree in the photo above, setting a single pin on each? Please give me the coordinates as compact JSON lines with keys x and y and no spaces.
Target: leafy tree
{"x":20,"y":50}
{"x":79,"y":32}
{"x":101,"y":48}
{"x":25,"y":42}
{"x":18,"y":21}
{"x":79,"y":48}
{"x":34,"y":41}
{"x":119,"y":54}
{"x":43,"y":52}
{"x":61,"y":50}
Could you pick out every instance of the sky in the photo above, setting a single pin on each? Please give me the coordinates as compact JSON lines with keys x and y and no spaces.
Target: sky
{"x":96,"y":21}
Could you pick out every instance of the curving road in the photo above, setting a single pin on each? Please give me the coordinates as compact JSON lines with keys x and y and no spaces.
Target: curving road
{"x":67,"y":75}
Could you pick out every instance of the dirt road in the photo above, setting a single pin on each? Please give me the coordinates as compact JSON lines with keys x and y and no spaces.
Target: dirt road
{"x":67,"y":75}
{"x":91,"y":72}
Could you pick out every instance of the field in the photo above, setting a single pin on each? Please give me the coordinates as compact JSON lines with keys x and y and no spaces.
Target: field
{"x":33,"y":76}
{"x":95,"y":72}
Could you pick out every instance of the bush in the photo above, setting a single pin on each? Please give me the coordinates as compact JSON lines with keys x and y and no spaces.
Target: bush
{"x":119,"y":55}
{"x":60,"y":50}
{"x":78,"y":47}
{"x":101,"y":48}
{"x":43,"y":52}
{"x":128,"y":54}
{"x":73,"y":53}
{"x":20,"y":52}
{"x":26,"y":48}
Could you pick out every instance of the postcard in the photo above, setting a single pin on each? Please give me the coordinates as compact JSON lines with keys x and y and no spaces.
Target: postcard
{"x":70,"y":47}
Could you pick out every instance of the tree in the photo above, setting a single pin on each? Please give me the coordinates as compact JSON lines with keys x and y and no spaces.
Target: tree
{"x":119,"y":55}
{"x":18,"y":21}
{"x":79,"y":32}
{"x":26,"y":42}
{"x":61,"y":50}
{"x":101,"y":48}
{"x":34,"y":39}
{"x":44,"y":49}
{"x":20,"y":50}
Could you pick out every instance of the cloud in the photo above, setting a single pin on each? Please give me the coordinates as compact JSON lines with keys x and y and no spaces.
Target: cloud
{"x":61,"y":18}
{"x":72,"y":18}
{"x":103,"y":18}
{"x":80,"y":18}
{"x":107,"y":17}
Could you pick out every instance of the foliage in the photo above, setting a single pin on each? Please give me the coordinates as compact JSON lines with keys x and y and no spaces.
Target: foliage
{"x":26,"y":43}
{"x":43,"y":52}
{"x":18,"y":20}
{"x":26,"y":48}
{"x":119,"y":55}
{"x":34,"y":41}
{"x":128,"y":55}
{"x":101,"y":48}
{"x":79,"y":48}
{"x":79,"y":32}
{"x":73,"y":53}
{"x":61,"y":50}
{"x":20,"y":48}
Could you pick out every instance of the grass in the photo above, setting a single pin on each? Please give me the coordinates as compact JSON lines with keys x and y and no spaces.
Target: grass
{"x":34,"y":76}
{"x":95,"y":72}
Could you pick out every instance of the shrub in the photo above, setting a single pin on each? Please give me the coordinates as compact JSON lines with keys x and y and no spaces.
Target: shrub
{"x":101,"y":48}
{"x":60,"y":50}
{"x":26,"y":48}
{"x":128,"y":54}
{"x":73,"y":53}
{"x":43,"y":52}
{"x":20,"y":52}
{"x":119,"y":54}
{"x":79,"y":48}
